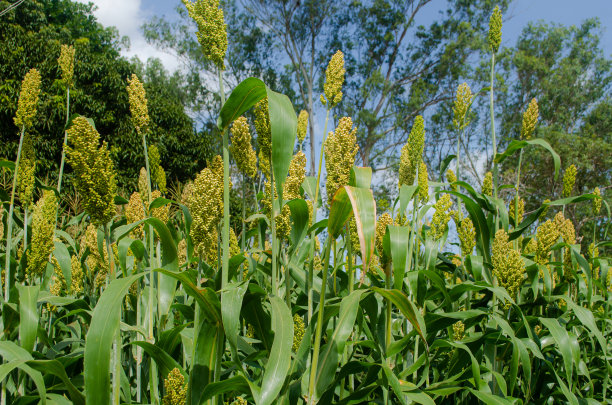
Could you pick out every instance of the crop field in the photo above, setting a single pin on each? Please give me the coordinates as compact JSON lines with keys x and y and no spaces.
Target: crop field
{"x":277,"y":274}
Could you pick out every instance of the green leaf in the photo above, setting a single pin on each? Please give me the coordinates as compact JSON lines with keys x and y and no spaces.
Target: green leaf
{"x":283,"y":125}
{"x":57,"y":369}
{"x":231,"y":305}
{"x":299,"y":218}
{"x":489,"y":398}
{"x":98,"y":343}
{"x":5,"y":369}
{"x":243,"y":97}
{"x":280,"y":354}
{"x":332,"y":351}
{"x":12,"y":353}
{"x":28,"y":315}
{"x":398,"y":241}
{"x":63,"y":258}
{"x":359,"y":201}
{"x":479,"y":221}
{"x":203,"y":364}
{"x":339,"y":212}
{"x":235,"y":384}
{"x":407,"y":308}
{"x":164,"y":361}
{"x":205,"y":297}
{"x":516,"y":145}
{"x":310,"y":185}
{"x":405,"y":195}
{"x":360,"y":177}
{"x":562,"y":339}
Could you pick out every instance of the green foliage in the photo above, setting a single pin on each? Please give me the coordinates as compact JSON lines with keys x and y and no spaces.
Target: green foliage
{"x":32,"y":35}
{"x":394,"y":311}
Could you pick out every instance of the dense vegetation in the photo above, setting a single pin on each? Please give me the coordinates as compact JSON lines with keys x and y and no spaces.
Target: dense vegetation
{"x":255,"y":283}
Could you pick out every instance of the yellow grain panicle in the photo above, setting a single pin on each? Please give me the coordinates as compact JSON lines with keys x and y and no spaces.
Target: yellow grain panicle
{"x":530,"y":119}
{"x":212,"y":30}
{"x":28,"y":99}
{"x":340,"y":151}
{"x":412,"y":153}
{"x":241,"y":148}
{"x":334,"y":79}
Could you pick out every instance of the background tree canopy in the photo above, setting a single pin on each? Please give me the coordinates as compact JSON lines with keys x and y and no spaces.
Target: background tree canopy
{"x":31,"y":37}
{"x":397,"y":67}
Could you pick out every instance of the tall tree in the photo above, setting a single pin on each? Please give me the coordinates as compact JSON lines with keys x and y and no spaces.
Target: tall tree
{"x":565,"y":69}
{"x":31,"y":35}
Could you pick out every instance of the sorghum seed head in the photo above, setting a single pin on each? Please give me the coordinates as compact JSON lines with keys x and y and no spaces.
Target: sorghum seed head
{"x":512,"y":210}
{"x":264,"y":135}
{"x":530,"y":119}
{"x":412,"y":153}
{"x":138,"y":104}
{"x":423,"y":183}
{"x":463,"y":101}
{"x":334,"y":78}
{"x":241,"y":148}
{"x":547,"y":235}
{"x":467,"y":236}
{"x":135,"y":212}
{"x":495,"y":26}
{"x":340,"y":151}
{"x":206,"y":207}
{"x":176,"y":388}
{"x":298,"y":332}
{"x":212,"y":30}
{"x":381,"y":228}
{"x":26,"y":176}
{"x":93,"y":168}
{"x":43,"y":226}
{"x":451,"y":178}
{"x":28,"y":99}
{"x":441,"y":216}
{"x":458,"y":330}
{"x":597,"y":201}
{"x":66,"y":63}
{"x":302,"y":126}
{"x":569,"y":179}
{"x":508,"y":266}
{"x":487,"y":184}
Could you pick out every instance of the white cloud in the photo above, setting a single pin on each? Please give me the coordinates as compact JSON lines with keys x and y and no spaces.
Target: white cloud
{"x":128,"y":17}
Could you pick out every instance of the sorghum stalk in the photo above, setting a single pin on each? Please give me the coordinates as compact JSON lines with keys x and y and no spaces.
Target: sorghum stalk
{"x":516,"y":198}
{"x":493,"y":140}
{"x":314,"y":220}
{"x":9,"y":224}
{"x":243,"y":236}
{"x":317,"y":341}
{"x":495,"y":25}
{"x":61,"y":171}
{"x":226,"y":214}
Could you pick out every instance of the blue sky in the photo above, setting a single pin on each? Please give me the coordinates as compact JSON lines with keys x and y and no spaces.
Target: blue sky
{"x":129,"y":15}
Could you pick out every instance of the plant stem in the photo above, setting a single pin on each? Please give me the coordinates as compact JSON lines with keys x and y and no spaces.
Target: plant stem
{"x":273,"y":234}
{"x":317,"y":341}
{"x":9,"y":226}
{"x":225,"y":234}
{"x":226,"y":202}
{"x":243,"y":236}
{"x":61,"y":171}
{"x":388,"y":309}
{"x":493,"y":140}
{"x":314,"y":220}
{"x":458,"y":167}
{"x":518,"y":181}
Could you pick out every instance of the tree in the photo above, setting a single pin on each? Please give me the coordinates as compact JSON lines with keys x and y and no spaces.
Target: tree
{"x":565,"y":69}
{"x":31,"y":35}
